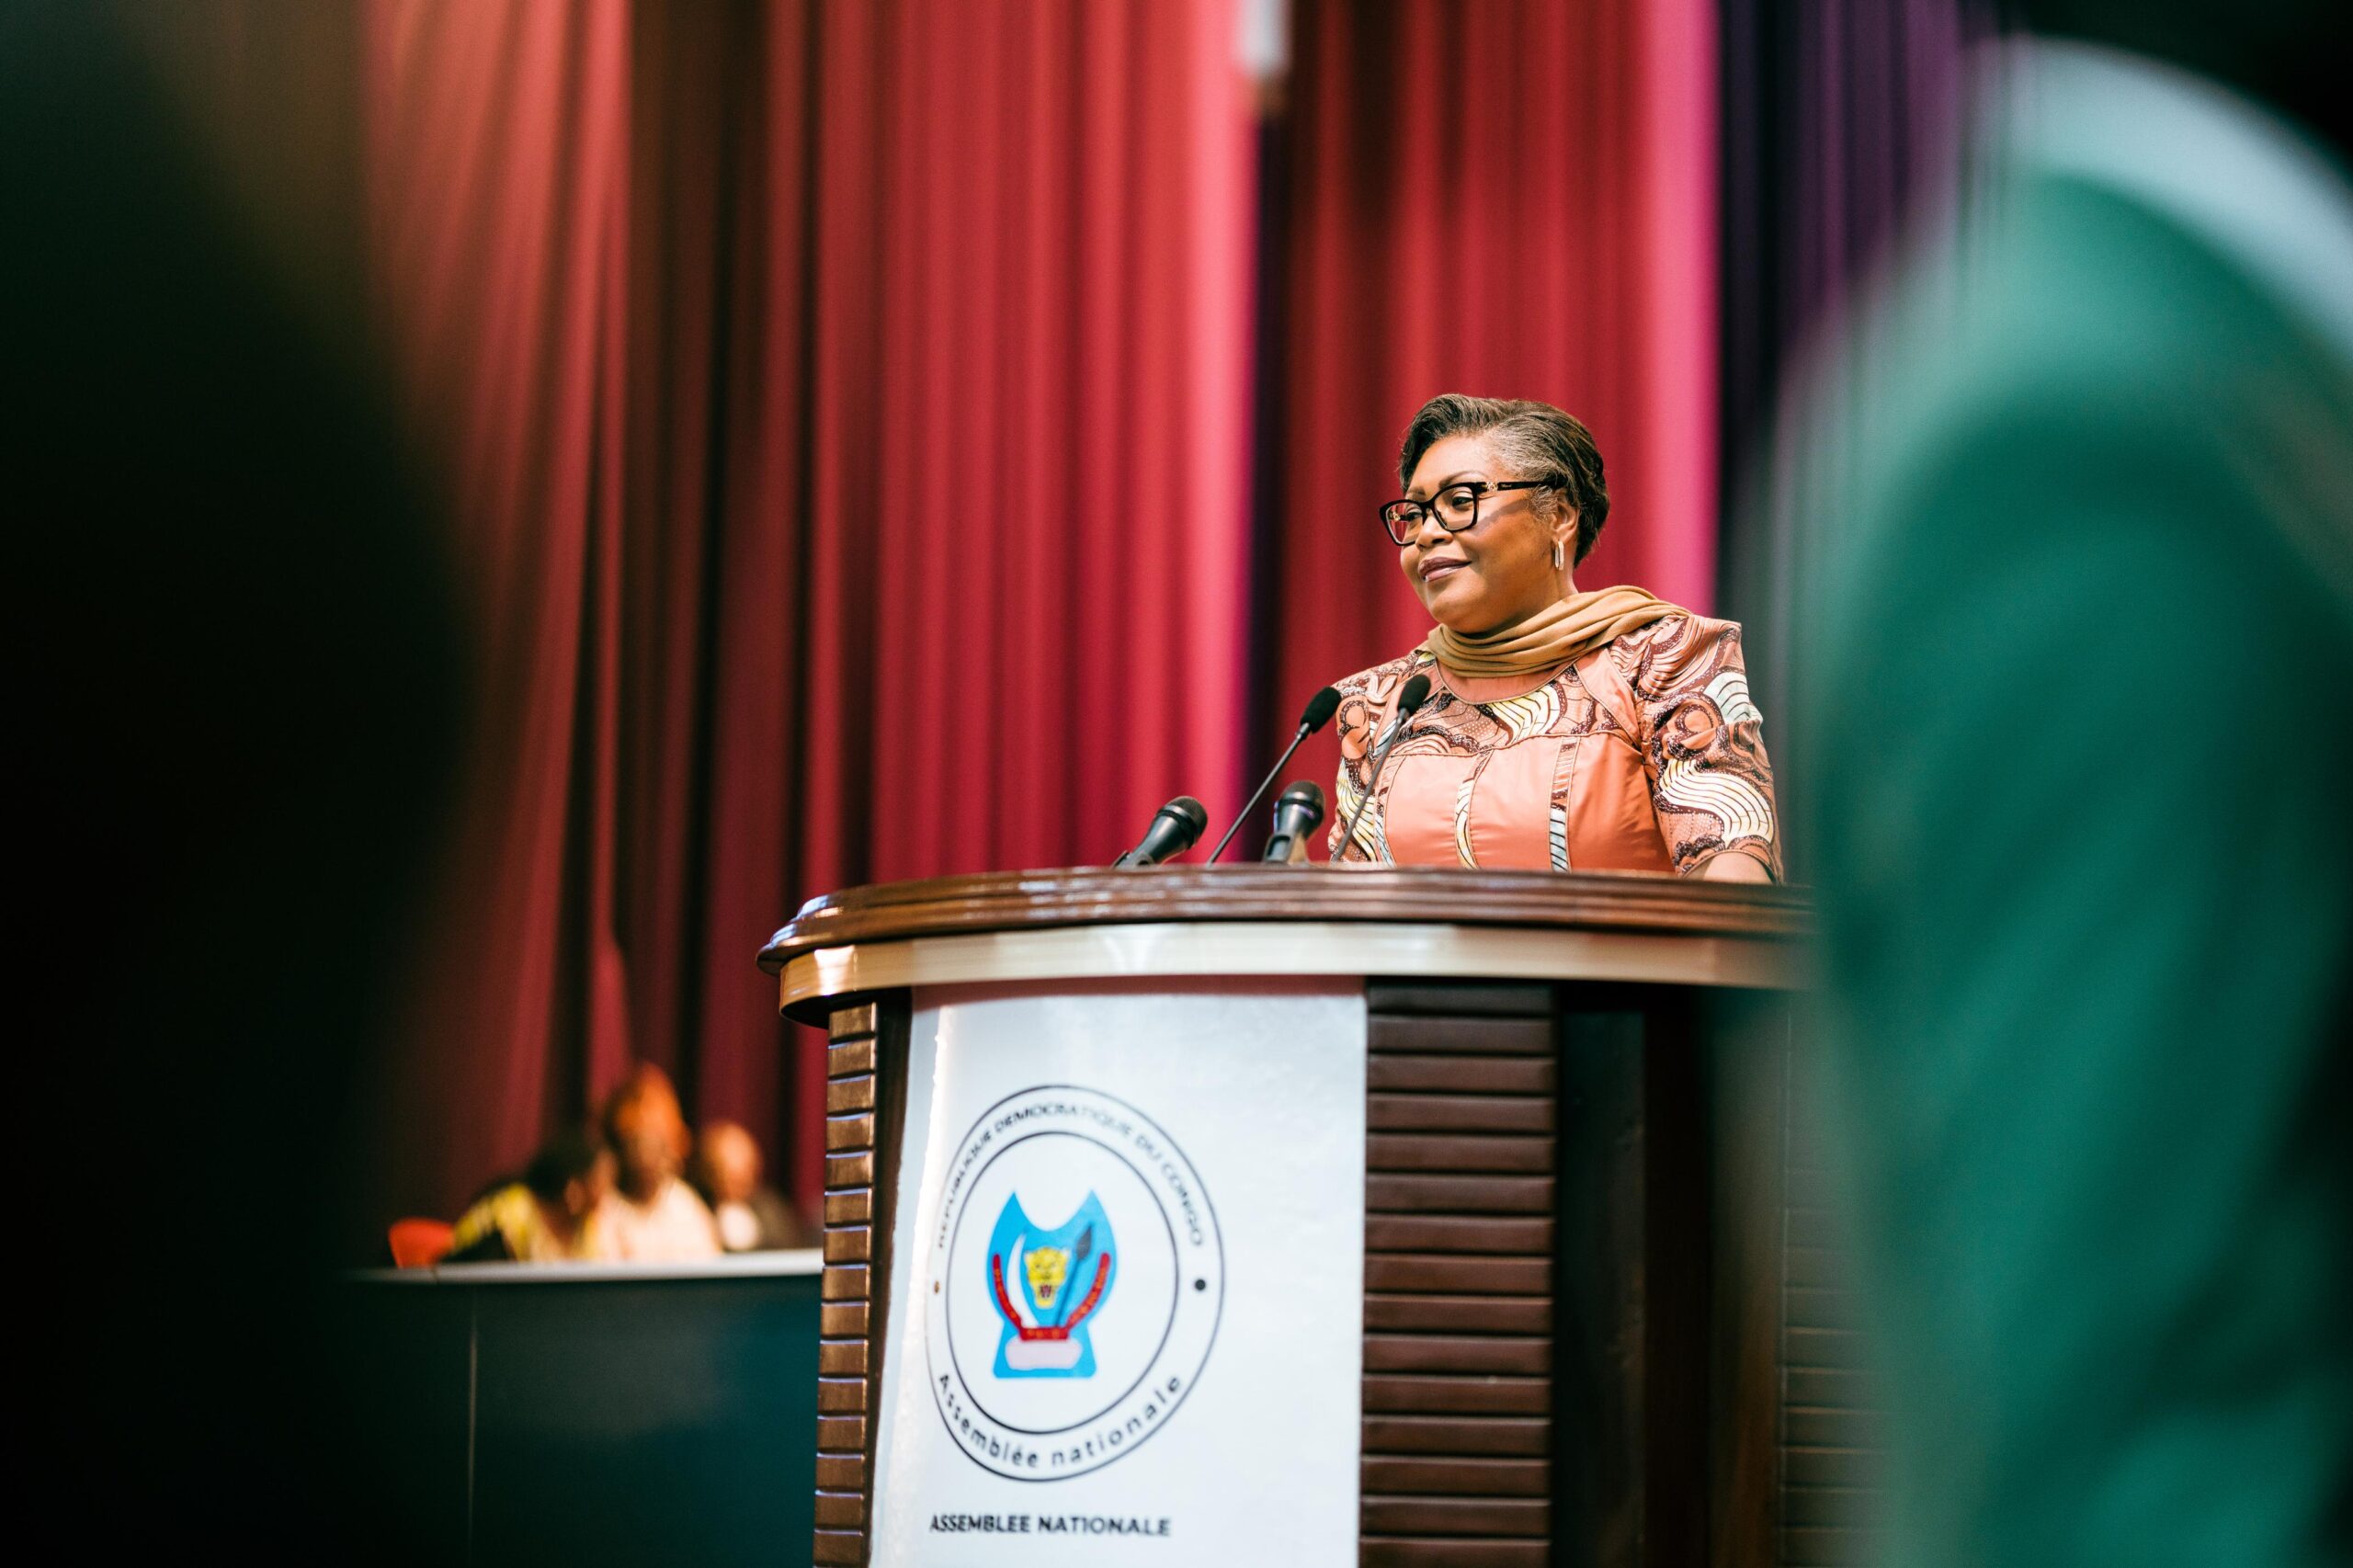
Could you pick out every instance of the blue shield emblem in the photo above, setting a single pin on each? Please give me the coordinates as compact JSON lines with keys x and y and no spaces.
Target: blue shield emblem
{"x":1047,"y":1285}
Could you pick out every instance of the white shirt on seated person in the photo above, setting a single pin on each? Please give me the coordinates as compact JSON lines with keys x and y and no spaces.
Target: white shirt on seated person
{"x":673,"y":1226}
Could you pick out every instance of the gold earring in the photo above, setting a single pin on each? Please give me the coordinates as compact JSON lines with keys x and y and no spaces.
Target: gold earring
{"x":1560,"y":556}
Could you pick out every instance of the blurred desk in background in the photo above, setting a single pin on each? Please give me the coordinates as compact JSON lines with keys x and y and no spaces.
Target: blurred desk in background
{"x":591,"y":1413}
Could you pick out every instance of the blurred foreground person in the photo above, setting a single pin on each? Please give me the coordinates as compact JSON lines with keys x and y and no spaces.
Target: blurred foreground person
{"x":236,"y":696}
{"x":544,"y":1218}
{"x":650,"y":1216}
{"x":752,"y":1216}
{"x":2084,"y":840}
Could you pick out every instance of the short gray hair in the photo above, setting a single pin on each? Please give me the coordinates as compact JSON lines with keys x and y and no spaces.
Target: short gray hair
{"x":1535,"y":440}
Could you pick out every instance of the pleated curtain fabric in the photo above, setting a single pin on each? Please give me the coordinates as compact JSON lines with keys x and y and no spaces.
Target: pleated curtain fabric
{"x":1515,"y":198}
{"x":496,"y":177}
{"x":842,"y":415}
{"x":847,"y":414}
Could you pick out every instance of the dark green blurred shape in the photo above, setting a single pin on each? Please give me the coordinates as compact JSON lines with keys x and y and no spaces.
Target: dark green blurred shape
{"x":2084,"y":823}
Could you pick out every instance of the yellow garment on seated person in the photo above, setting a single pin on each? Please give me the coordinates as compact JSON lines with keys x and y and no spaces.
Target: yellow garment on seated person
{"x":514,"y":1214}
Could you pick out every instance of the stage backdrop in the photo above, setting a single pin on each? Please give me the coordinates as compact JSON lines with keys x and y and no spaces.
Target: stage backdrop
{"x":839,"y":405}
{"x":1515,"y":198}
{"x":847,"y":414}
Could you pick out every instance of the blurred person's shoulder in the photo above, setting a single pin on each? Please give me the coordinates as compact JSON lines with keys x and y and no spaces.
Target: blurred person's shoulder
{"x":2133,"y":309}
{"x":2181,"y":163}
{"x":503,"y":1224}
{"x":674,"y":1223}
{"x":781,"y":1224}
{"x":685,"y":1224}
{"x":680,"y":1198}
{"x":2153,"y":250}
{"x":497,"y":1209}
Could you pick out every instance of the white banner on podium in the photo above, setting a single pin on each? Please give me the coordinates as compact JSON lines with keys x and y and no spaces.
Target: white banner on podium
{"x":1127,"y":1278}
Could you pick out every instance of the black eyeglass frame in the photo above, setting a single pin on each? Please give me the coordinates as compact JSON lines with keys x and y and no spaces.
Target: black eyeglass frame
{"x":1479,"y":488}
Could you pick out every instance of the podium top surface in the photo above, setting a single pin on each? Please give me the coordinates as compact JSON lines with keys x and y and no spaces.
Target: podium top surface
{"x":1295,"y":906}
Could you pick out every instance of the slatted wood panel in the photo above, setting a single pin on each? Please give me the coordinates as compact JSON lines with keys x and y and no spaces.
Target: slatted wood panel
{"x":1522,"y":1165}
{"x":1830,"y":1447}
{"x":865,"y":1094}
{"x":1459,"y":1245}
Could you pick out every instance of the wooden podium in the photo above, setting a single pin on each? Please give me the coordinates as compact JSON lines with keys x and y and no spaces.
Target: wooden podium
{"x":1575,"y":1329}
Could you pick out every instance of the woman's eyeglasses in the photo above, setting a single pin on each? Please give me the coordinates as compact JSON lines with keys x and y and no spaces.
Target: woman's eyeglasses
{"x":1456,"y":507}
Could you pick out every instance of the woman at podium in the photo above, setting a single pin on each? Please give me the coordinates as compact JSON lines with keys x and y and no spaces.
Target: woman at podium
{"x":1584,"y":731}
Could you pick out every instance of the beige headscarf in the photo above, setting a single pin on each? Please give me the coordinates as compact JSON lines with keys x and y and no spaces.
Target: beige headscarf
{"x":1566,"y":630}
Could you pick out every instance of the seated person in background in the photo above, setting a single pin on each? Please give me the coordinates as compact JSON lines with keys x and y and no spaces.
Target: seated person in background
{"x":650,"y":1216}
{"x":752,"y":1216}
{"x":544,"y":1217}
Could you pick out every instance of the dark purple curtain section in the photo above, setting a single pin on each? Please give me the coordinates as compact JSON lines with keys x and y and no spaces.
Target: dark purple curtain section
{"x":1840,"y":131}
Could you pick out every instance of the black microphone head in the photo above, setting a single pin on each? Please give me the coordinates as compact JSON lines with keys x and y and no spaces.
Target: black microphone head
{"x":1304,"y":799}
{"x":1320,"y":709}
{"x":1298,"y":812}
{"x":1416,"y":692}
{"x":1176,"y":827}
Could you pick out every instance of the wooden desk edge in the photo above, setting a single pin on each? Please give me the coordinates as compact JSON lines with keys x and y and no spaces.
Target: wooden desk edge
{"x":814,"y":981}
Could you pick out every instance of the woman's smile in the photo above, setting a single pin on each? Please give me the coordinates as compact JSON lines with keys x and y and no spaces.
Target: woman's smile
{"x":1483,"y":552}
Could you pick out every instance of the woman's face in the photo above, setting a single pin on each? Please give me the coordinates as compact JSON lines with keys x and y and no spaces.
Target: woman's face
{"x":1499,"y":571}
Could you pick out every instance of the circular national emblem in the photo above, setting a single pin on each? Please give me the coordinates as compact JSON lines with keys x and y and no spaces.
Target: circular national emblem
{"x":1074,"y":1283}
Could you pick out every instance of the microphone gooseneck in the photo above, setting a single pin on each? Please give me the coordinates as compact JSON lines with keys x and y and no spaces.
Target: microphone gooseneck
{"x":1298,"y":811}
{"x":1319,"y":711}
{"x":1176,"y":828}
{"x":1416,"y":691}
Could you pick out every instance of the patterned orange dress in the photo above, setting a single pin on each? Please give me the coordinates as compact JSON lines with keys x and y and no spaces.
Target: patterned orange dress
{"x":1645,"y":754}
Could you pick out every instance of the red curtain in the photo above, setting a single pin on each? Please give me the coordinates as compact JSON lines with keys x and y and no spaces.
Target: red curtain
{"x":843,"y":412}
{"x":496,"y":180}
{"x":1513,"y":199}
{"x":846,"y":417}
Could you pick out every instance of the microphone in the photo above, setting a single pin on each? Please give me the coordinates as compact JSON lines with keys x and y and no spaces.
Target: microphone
{"x":1299,"y":810}
{"x":1176,"y":828}
{"x":1416,"y":692}
{"x":1320,"y":709}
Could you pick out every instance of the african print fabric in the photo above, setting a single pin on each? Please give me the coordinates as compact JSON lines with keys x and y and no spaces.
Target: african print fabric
{"x":1645,"y":755}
